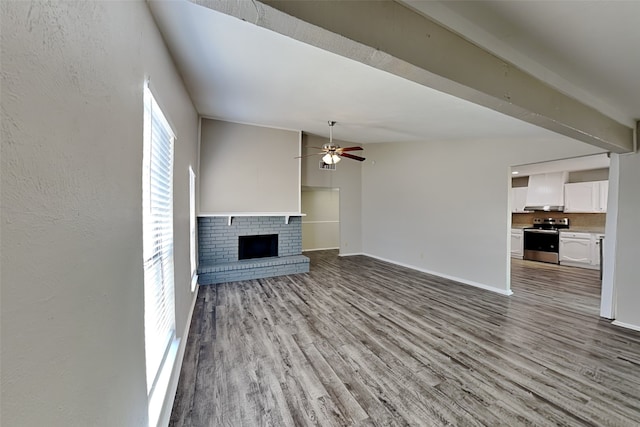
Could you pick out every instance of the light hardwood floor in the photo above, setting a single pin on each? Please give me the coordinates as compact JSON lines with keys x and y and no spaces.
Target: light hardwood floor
{"x":361,"y":342}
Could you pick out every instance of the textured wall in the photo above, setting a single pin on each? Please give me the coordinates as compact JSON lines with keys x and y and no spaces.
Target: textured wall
{"x":71,"y":220}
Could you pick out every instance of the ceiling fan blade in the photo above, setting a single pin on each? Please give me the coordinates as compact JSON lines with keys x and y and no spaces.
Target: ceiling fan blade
{"x":351,"y":156}
{"x":309,"y":155}
{"x":350,"y":149}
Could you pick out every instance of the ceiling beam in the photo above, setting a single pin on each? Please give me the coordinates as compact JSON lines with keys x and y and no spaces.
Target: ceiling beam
{"x":393,"y":38}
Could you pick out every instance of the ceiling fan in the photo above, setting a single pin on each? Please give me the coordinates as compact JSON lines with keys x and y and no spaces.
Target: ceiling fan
{"x":333,"y":152}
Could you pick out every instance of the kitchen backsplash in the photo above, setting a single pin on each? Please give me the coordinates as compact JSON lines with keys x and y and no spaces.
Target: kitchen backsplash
{"x":575,"y":219}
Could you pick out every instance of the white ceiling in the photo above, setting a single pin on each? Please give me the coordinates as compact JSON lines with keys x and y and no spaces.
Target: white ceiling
{"x":240,"y":72}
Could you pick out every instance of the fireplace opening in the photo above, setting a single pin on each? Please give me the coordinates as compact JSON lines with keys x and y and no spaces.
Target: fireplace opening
{"x":261,"y":246}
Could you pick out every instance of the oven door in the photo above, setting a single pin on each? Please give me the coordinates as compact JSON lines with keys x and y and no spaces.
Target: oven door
{"x":541,"y":245}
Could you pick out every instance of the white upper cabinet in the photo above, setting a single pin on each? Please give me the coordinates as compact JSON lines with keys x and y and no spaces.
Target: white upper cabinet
{"x":518,"y":199}
{"x":586,"y":197}
{"x":580,"y":197}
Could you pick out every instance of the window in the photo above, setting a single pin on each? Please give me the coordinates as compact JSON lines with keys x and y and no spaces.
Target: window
{"x":157,"y":218}
{"x":192,"y":227}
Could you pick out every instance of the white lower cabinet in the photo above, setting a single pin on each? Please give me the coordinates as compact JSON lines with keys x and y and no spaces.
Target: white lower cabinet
{"x":596,"y":242}
{"x":517,"y":243}
{"x":579,"y":250}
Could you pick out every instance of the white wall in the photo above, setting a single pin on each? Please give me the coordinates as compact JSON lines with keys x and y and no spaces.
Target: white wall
{"x":627,"y":270}
{"x":443,"y":207}
{"x":72,"y":277}
{"x":247,"y":168}
{"x":589,"y":175}
{"x":321,"y":225}
{"x":347,"y":177}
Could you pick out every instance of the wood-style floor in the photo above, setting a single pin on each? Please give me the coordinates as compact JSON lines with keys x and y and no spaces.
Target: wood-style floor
{"x":361,"y":342}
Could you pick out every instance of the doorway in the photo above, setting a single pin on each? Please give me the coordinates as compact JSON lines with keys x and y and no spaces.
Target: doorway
{"x":321,"y":225}
{"x":584,"y":205}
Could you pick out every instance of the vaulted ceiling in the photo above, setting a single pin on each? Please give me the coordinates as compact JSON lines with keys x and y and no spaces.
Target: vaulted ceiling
{"x":238,"y":71}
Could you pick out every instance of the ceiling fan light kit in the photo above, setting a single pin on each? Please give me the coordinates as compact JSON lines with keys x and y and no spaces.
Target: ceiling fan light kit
{"x":332,"y":153}
{"x":331,"y":159}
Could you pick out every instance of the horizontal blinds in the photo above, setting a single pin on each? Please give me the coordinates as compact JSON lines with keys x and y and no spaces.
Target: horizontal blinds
{"x":159,"y":312}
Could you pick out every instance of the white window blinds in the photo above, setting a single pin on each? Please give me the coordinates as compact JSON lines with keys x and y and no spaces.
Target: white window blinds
{"x":157,"y":204}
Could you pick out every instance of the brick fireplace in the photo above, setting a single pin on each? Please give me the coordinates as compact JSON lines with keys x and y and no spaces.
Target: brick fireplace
{"x":218,"y":245}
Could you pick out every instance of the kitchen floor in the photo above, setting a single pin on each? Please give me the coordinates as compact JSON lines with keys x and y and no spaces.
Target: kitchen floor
{"x":358,"y":341}
{"x":571,"y":290}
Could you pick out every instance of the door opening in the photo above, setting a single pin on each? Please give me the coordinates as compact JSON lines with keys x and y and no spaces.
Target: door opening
{"x":321,"y":225}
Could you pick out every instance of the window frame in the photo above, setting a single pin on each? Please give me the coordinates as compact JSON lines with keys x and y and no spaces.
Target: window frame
{"x":193,"y":230}
{"x":161,"y":341}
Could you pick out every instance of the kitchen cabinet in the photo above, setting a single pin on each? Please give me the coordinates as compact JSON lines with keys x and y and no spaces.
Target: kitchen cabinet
{"x":604,"y":195}
{"x":579,"y":249}
{"x":580,"y":197}
{"x":518,"y":199}
{"x":586,"y":197}
{"x":546,"y":191}
{"x":517,"y":243}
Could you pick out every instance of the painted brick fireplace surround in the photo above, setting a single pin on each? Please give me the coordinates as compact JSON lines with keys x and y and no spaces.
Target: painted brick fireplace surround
{"x":218,"y":248}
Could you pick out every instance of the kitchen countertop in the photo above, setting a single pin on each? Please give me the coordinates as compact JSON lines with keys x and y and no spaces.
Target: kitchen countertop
{"x":598,"y":230}
{"x":521,"y":226}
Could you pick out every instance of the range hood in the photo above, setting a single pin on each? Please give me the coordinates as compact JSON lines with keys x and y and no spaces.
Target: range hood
{"x":546,"y":192}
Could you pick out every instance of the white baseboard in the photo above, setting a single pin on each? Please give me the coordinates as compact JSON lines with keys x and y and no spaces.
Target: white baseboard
{"x":352,"y":254}
{"x":626,"y":325}
{"x":165,"y":413}
{"x":446,"y":276}
{"x":320,"y":249}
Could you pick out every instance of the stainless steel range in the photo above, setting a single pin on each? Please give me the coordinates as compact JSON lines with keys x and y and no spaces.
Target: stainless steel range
{"x":542,"y":241}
